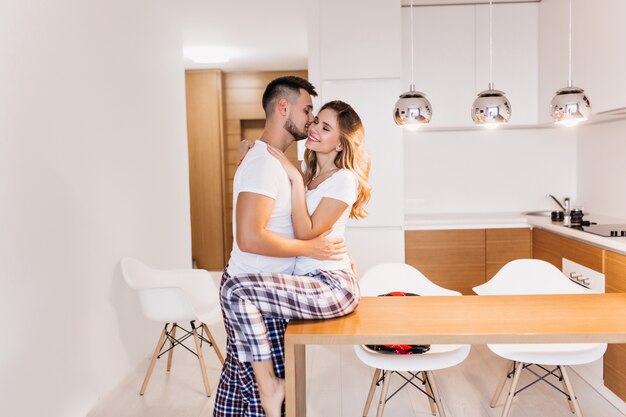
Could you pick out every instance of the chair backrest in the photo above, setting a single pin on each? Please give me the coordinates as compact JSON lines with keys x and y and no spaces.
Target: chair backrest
{"x":170,"y":296}
{"x":388,"y":277}
{"x":529,"y":276}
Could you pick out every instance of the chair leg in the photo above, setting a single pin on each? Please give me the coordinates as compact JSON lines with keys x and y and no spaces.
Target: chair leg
{"x":383,"y":393}
{"x":569,"y":400}
{"x":496,"y":395}
{"x":509,"y":399}
{"x":205,"y":378}
{"x":370,"y":394}
{"x":430,"y":393}
{"x":217,"y":349}
{"x":570,"y":391}
{"x":437,"y":394}
{"x":155,"y":355}
{"x":171,"y":352}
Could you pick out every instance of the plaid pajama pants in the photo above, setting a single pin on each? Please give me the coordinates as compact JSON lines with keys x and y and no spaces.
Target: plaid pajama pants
{"x":237,"y":393}
{"x":247,"y":298}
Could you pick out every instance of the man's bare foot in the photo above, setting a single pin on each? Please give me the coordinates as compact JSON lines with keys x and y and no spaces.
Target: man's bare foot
{"x":272,"y":401}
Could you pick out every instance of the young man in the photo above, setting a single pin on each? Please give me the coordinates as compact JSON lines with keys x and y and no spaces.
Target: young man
{"x":263,"y":233}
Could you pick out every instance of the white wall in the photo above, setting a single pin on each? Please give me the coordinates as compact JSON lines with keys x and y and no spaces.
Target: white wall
{"x":488,"y":170}
{"x":602,"y":168}
{"x":93,"y":167}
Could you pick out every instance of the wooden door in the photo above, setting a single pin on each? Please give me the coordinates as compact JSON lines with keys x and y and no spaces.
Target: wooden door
{"x":244,"y":119}
{"x":206,"y":176}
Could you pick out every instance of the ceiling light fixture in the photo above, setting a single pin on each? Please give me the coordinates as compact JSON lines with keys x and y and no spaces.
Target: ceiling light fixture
{"x":412,"y":109}
{"x":491,"y":108}
{"x":570,"y":104}
{"x":207,"y":54}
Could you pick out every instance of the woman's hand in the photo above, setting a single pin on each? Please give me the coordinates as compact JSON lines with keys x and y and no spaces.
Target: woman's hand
{"x":244,"y":146}
{"x":292,"y":172}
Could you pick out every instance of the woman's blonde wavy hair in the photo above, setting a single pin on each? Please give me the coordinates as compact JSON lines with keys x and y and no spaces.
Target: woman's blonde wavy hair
{"x":353,"y":156}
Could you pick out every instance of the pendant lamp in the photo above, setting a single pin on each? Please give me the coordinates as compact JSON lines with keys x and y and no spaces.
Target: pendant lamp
{"x":412,"y":109}
{"x":491,"y":108}
{"x":570,"y":104}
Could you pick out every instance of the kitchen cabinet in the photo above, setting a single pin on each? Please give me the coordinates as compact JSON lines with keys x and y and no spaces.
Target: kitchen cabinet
{"x":505,"y":245}
{"x":351,"y":51}
{"x":445,"y":69}
{"x":462,"y":259}
{"x":453,"y":259}
{"x":598,"y":61}
{"x":515,"y":56}
{"x":451,"y":47}
{"x":615,"y":357}
{"x":552,"y":248}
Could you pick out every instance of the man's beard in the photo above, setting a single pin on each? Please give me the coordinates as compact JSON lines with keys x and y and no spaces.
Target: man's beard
{"x":293,"y":130}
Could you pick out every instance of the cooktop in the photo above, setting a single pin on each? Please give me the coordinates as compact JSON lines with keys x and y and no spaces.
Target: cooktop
{"x":607,"y":230}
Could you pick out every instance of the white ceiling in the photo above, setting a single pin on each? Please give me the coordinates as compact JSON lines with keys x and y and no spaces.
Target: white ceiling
{"x":263,"y":35}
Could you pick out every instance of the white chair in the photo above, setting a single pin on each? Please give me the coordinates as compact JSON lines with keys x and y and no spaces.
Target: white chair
{"x":533,"y":276}
{"x":173,"y":297}
{"x":390,"y":277}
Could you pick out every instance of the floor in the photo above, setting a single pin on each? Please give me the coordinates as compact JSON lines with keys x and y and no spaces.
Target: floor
{"x":337,"y":387}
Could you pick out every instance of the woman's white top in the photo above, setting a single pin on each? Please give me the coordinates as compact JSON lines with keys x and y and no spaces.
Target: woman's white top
{"x":343,"y":186}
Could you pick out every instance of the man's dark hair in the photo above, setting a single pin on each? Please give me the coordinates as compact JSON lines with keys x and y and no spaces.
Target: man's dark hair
{"x":288,"y":87}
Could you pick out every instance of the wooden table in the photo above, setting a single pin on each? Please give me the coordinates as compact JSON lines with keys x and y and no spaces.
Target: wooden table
{"x":466,"y":320}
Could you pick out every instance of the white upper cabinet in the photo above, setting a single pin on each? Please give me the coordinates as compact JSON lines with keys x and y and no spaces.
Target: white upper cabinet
{"x":452,"y":58}
{"x":515,"y":56}
{"x":599,"y":51}
{"x":444,"y":60}
{"x":552,"y":54}
{"x":354,"y":39}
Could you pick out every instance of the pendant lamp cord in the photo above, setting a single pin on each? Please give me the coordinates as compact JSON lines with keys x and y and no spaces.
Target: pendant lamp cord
{"x":569,"y":80}
{"x":412,"y":59}
{"x":491,"y":44}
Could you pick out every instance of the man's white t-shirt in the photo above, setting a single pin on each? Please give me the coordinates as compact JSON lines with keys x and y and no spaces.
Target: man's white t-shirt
{"x":263,"y":174}
{"x":343,"y":186}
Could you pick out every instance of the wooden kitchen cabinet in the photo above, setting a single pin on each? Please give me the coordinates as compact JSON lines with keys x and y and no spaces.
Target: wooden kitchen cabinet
{"x":461,"y":259}
{"x":505,"y":245}
{"x":453,"y":259}
{"x":552,"y":248}
{"x":615,"y":356}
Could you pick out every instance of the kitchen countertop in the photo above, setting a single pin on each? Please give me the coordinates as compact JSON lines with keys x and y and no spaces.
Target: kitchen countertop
{"x":448,"y":221}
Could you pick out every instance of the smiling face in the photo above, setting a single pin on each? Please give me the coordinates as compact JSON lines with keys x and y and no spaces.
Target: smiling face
{"x":300,"y":116}
{"x":324,"y":133}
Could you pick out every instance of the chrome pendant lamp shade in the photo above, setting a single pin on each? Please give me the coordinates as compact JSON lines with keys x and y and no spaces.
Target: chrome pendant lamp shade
{"x":491,"y":108}
{"x":570,"y":105}
{"x":412,"y":109}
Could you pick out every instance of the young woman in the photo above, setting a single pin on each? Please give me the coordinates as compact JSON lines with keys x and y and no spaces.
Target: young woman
{"x":332,"y":188}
